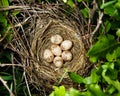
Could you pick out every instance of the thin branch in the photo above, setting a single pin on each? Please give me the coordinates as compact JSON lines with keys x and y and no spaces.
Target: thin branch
{"x":64,"y":74}
{"x":27,"y":84}
{"x":39,"y":10}
{"x":14,"y":77}
{"x":3,"y":65}
{"x":4,"y":83}
{"x":22,"y":23}
{"x":98,"y":24}
{"x":19,"y":39}
{"x":14,"y":7}
{"x":103,"y":1}
{"x":89,"y":13}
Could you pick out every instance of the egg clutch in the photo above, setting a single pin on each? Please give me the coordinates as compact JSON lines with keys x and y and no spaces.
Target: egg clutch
{"x":59,"y":52}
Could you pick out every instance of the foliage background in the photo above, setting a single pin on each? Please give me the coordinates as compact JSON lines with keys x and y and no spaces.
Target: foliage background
{"x":103,"y":17}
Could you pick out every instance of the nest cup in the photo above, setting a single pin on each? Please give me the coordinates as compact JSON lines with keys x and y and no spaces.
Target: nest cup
{"x":44,"y":71}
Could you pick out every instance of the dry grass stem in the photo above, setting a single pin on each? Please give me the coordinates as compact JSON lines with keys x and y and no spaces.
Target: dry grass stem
{"x":26,"y":81}
{"x":4,"y":65}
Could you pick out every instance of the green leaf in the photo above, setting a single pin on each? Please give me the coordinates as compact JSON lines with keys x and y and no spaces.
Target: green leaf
{"x":110,"y":89}
{"x":3,"y":20}
{"x":9,"y":33}
{"x":58,"y":91}
{"x":95,"y":90}
{"x":110,"y":10}
{"x":70,"y":3}
{"x":79,"y":1}
{"x":115,"y":83}
{"x":87,"y":80}
{"x":107,"y":65}
{"x":117,"y":5}
{"x":86,"y":93}
{"x":103,"y":46}
{"x":6,"y":78}
{"x":107,"y":26}
{"x":85,"y":12}
{"x":93,"y":78}
{"x":111,"y":73}
{"x":118,"y":33}
{"x":110,"y":57}
{"x":4,"y":3}
{"x":118,"y":94}
{"x":93,"y":59}
{"x":113,"y":56}
{"x":73,"y":92}
{"x":107,"y":4}
{"x":75,"y":78}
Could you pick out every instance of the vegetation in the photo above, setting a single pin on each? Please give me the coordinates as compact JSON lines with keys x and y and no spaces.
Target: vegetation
{"x":104,"y":53}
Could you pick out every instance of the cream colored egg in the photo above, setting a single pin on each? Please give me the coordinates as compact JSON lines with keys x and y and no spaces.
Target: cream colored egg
{"x":58,"y":61}
{"x":56,"y":39}
{"x":48,"y":55}
{"x":67,"y":56}
{"x":66,"y":45}
{"x":56,"y":50}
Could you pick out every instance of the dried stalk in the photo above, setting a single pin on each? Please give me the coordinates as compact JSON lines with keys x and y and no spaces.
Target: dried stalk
{"x":4,"y":65}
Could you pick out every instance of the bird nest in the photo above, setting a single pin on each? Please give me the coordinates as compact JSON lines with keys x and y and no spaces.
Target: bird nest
{"x":33,"y":38}
{"x":41,"y":41}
